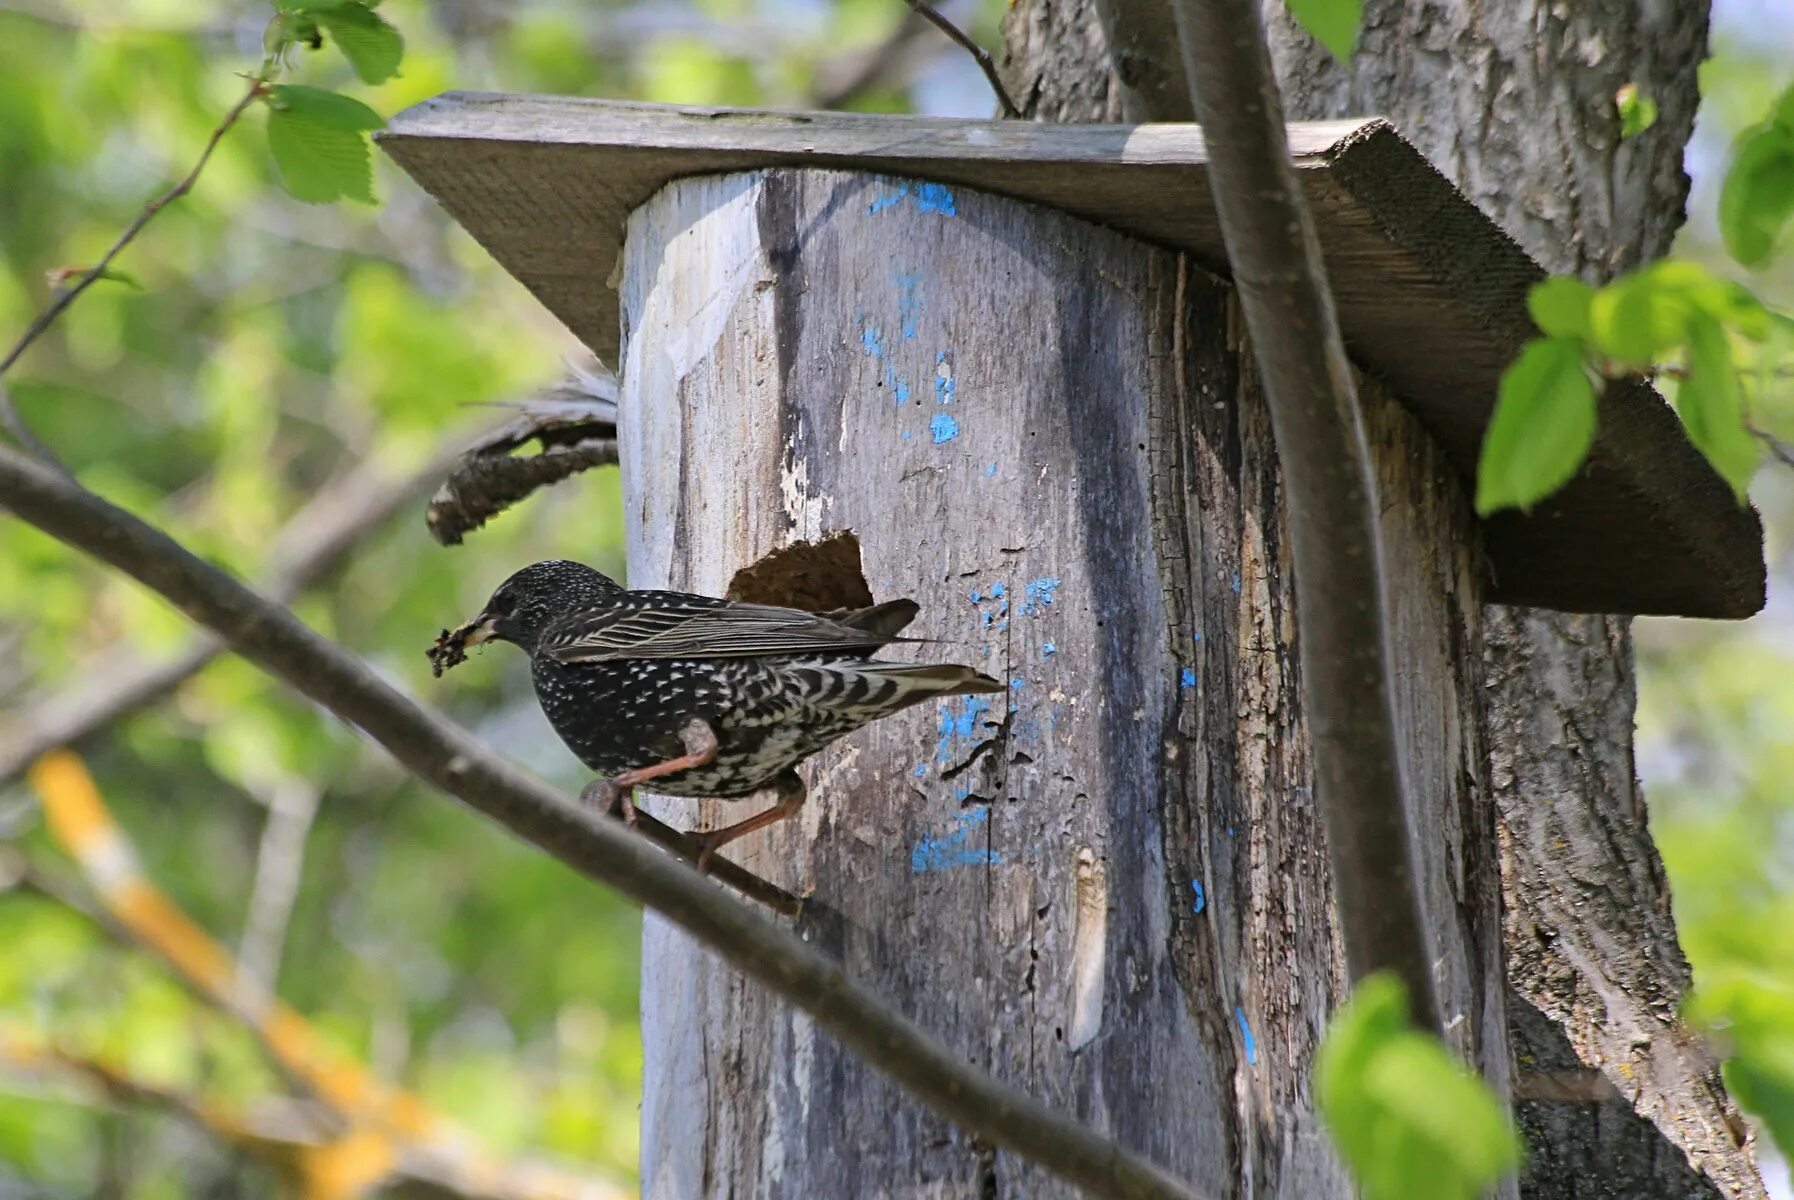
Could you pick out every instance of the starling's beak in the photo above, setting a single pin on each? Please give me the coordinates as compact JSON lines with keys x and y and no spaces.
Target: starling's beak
{"x":478,"y":631}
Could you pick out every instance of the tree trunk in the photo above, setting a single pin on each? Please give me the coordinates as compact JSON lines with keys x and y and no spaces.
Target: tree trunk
{"x":1108,"y":886}
{"x":1514,"y":102}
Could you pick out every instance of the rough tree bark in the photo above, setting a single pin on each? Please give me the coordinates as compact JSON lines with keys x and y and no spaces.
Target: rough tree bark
{"x":1108,"y":886}
{"x":1515,"y":102}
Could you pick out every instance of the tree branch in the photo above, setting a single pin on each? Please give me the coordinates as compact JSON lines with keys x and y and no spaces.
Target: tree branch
{"x":436,"y":750}
{"x":306,"y":549}
{"x":1276,"y":263}
{"x":979,"y":54}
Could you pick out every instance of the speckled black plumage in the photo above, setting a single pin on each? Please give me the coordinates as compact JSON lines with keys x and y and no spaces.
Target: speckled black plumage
{"x":620,"y":674}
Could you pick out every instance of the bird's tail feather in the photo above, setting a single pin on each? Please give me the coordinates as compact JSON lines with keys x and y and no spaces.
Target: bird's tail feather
{"x":935,"y":679}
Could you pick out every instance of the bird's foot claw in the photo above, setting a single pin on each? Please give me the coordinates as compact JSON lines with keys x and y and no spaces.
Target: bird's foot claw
{"x":605,"y":796}
{"x":706,"y":850}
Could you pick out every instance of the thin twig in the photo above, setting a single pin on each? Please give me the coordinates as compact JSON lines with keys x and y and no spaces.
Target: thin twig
{"x":68,"y":295}
{"x":979,"y":54}
{"x":292,"y":804}
{"x":436,"y":750}
{"x":1781,"y":451}
{"x":1275,"y":259}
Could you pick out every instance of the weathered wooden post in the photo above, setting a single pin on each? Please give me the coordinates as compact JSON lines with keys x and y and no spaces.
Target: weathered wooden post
{"x":1003,"y":358}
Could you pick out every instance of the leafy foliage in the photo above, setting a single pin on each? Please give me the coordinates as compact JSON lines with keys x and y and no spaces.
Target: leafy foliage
{"x":1758,"y":197}
{"x":1676,"y":312}
{"x":1408,"y":1117}
{"x":1332,"y":23}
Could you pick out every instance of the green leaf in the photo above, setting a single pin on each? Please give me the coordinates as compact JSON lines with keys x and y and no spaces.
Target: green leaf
{"x":1711,"y":403}
{"x":1638,"y":112}
{"x":1409,"y":1119}
{"x":322,"y":107}
{"x":1783,"y":112}
{"x":1640,"y":318}
{"x":1758,"y":194}
{"x":320,"y":163}
{"x":1332,"y":23}
{"x":1560,"y":306}
{"x":1543,"y":424}
{"x":372,"y":46}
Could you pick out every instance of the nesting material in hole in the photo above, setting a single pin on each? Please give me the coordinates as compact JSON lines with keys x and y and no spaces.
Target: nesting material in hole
{"x":818,"y":576}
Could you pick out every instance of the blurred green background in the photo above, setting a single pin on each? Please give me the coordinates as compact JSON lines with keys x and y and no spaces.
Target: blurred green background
{"x":273,"y":346}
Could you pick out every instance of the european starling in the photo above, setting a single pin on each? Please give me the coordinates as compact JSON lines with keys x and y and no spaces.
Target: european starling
{"x":703,"y":697}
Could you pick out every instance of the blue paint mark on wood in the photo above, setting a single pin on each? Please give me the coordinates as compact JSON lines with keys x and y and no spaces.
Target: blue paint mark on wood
{"x":1239,"y":1015}
{"x":1196,"y":635}
{"x":1188,"y":679}
{"x":900,"y":388}
{"x":1236,"y":583}
{"x":960,"y":726}
{"x":872,"y":341}
{"x":997,"y":589}
{"x":1039,"y":595}
{"x":943,"y":428}
{"x":930,"y":198}
{"x":991,"y":470}
{"x":909,"y":306}
{"x":1016,"y":684}
{"x":921,"y":770}
{"x":958,"y":847}
{"x":936,"y":198}
{"x":1048,"y":650}
{"x":1201,"y":896}
{"x":906,"y":435}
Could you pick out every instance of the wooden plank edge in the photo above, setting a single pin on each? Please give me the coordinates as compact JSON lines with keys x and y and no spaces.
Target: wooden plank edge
{"x":1640,"y":446}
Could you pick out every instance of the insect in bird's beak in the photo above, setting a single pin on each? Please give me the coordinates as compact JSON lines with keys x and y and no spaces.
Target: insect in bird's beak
{"x":451,"y":646}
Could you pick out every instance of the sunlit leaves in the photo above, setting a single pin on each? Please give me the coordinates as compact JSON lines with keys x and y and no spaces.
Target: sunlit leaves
{"x":1672,"y":315}
{"x":1332,"y":23}
{"x":372,"y":46}
{"x":1560,"y":307}
{"x":1638,"y":112}
{"x":1710,"y":334}
{"x":1711,"y":402}
{"x":1758,"y":196}
{"x":1409,"y":1118}
{"x":319,"y":140}
{"x":1543,"y":424}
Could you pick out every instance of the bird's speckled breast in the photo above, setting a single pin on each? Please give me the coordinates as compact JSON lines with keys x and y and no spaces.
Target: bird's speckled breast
{"x":621,"y":715}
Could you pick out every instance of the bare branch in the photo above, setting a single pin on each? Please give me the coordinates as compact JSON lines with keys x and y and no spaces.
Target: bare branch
{"x":279,"y":865}
{"x":436,"y":750}
{"x":979,"y":54}
{"x":1276,"y":263}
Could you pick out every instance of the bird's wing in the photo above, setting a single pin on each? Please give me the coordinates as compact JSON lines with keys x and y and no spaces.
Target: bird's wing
{"x":672,"y":625}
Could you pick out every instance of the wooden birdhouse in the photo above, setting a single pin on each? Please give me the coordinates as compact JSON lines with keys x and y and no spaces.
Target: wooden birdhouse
{"x":998,"y":367}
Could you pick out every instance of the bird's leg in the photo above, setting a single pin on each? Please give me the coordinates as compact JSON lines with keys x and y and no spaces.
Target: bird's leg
{"x":616,"y":794}
{"x":791,"y":798}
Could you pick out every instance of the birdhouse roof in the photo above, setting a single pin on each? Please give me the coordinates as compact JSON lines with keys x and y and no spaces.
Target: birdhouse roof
{"x":1431,"y":293}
